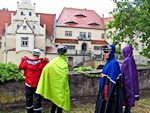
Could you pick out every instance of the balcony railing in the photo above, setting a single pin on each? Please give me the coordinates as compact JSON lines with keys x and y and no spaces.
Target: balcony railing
{"x":84,"y":38}
{"x":79,"y":52}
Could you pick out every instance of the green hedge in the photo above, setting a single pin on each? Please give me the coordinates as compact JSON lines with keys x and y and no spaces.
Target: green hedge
{"x":9,"y":72}
{"x":84,"y":69}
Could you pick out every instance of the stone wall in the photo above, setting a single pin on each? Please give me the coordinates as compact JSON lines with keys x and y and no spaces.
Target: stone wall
{"x":83,"y":89}
{"x":144,"y":78}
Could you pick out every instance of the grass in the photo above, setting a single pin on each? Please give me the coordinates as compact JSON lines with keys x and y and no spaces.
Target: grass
{"x":142,"y":106}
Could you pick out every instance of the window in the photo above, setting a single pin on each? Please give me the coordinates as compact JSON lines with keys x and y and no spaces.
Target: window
{"x":24,"y":41}
{"x":103,"y":35}
{"x":89,"y":34}
{"x":83,"y":34}
{"x":137,"y":48}
{"x":0,"y":44}
{"x":30,"y":14}
{"x":24,"y":27}
{"x":17,"y":26}
{"x":71,"y":22}
{"x":22,"y":13}
{"x":142,"y":47}
{"x":68,"y":33}
{"x":33,"y":27}
{"x":80,"y":15}
{"x":93,"y":24}
{"x":97,"y":48}
{"x":3,"y":31}
{"x":70,"y":47}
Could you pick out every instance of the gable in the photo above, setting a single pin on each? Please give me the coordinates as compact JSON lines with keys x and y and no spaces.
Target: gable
{"x":25,"y":28}
{"x":48,"y":19}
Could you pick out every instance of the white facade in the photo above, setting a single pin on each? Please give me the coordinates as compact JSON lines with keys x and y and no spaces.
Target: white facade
{"x":23,"y":34}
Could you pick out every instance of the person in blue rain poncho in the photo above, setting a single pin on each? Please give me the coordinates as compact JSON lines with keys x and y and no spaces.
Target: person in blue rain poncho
{"x":109,"y":98}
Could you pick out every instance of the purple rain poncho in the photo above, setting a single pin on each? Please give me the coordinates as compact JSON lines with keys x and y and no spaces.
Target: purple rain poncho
{"x":129,"y":78}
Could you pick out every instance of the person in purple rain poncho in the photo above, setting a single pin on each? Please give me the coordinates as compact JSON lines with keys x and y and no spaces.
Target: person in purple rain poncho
{"x":130,"y":81}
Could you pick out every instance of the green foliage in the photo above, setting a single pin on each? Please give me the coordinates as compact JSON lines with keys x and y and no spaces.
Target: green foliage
{"x":148,"y":63}
{"x":118,"y":50}
{"x":84,"y":69}
{"x":10,"y":72}
{"x":130,"y":19}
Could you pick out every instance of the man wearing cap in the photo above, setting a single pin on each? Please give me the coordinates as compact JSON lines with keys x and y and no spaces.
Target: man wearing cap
{"x":32,"y":72}
{"x":53,"y":84}
{"x":109,"y":98}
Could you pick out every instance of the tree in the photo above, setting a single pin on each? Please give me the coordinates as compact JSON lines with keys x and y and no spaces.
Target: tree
{"x":130,"y":19}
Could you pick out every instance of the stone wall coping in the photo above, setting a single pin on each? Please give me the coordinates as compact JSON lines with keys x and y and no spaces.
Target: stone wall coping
{"x":143,"y":68}
{"x":90,"y":72}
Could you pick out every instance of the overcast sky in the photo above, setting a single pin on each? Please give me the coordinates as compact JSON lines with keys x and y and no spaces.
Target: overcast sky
{"x":56,"y":6}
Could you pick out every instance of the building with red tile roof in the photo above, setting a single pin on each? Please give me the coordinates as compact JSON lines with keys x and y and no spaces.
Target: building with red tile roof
{"x":23,"y":30}
{"x":48,"y":19}
{"x":80,"y":30}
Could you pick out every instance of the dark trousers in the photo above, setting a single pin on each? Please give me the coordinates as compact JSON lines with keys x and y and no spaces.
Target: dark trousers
{"x":36,"y":106}
{"x":54,"y":107}
{"x":127,"y":109}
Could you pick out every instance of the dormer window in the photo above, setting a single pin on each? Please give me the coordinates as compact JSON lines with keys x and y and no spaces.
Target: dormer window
{"x":71,"y":22}
{"x":30,"y":14}
{"x":80,"y":15}
{"x":93,"y":24}
{"x":22,"y":13}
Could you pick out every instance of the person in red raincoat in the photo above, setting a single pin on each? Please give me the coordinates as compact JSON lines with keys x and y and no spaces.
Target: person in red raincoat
{"x":32,"y":72}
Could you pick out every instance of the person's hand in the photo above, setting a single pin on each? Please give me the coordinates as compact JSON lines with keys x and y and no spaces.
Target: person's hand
{"x":46,"y":59}
{"x":25,"y":58}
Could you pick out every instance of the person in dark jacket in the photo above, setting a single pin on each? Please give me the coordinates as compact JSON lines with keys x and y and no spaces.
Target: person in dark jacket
{"x":109,"y":98}
{"x":129,"y":80}
{"x":32,"y":72}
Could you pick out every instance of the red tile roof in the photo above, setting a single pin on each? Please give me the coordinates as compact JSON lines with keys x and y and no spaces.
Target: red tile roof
{"x":98,"y":42}
{"x":73,"y":41}
{"x":5,"y":17}
{"x":48,"y":19}
{"x":51,"y":49}
{"x":106,"y":20}
{"x":89,"y":16}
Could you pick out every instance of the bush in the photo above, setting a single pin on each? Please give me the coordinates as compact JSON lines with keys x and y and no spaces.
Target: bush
{"x":9,"y":72}
{"x":84,"y":69}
